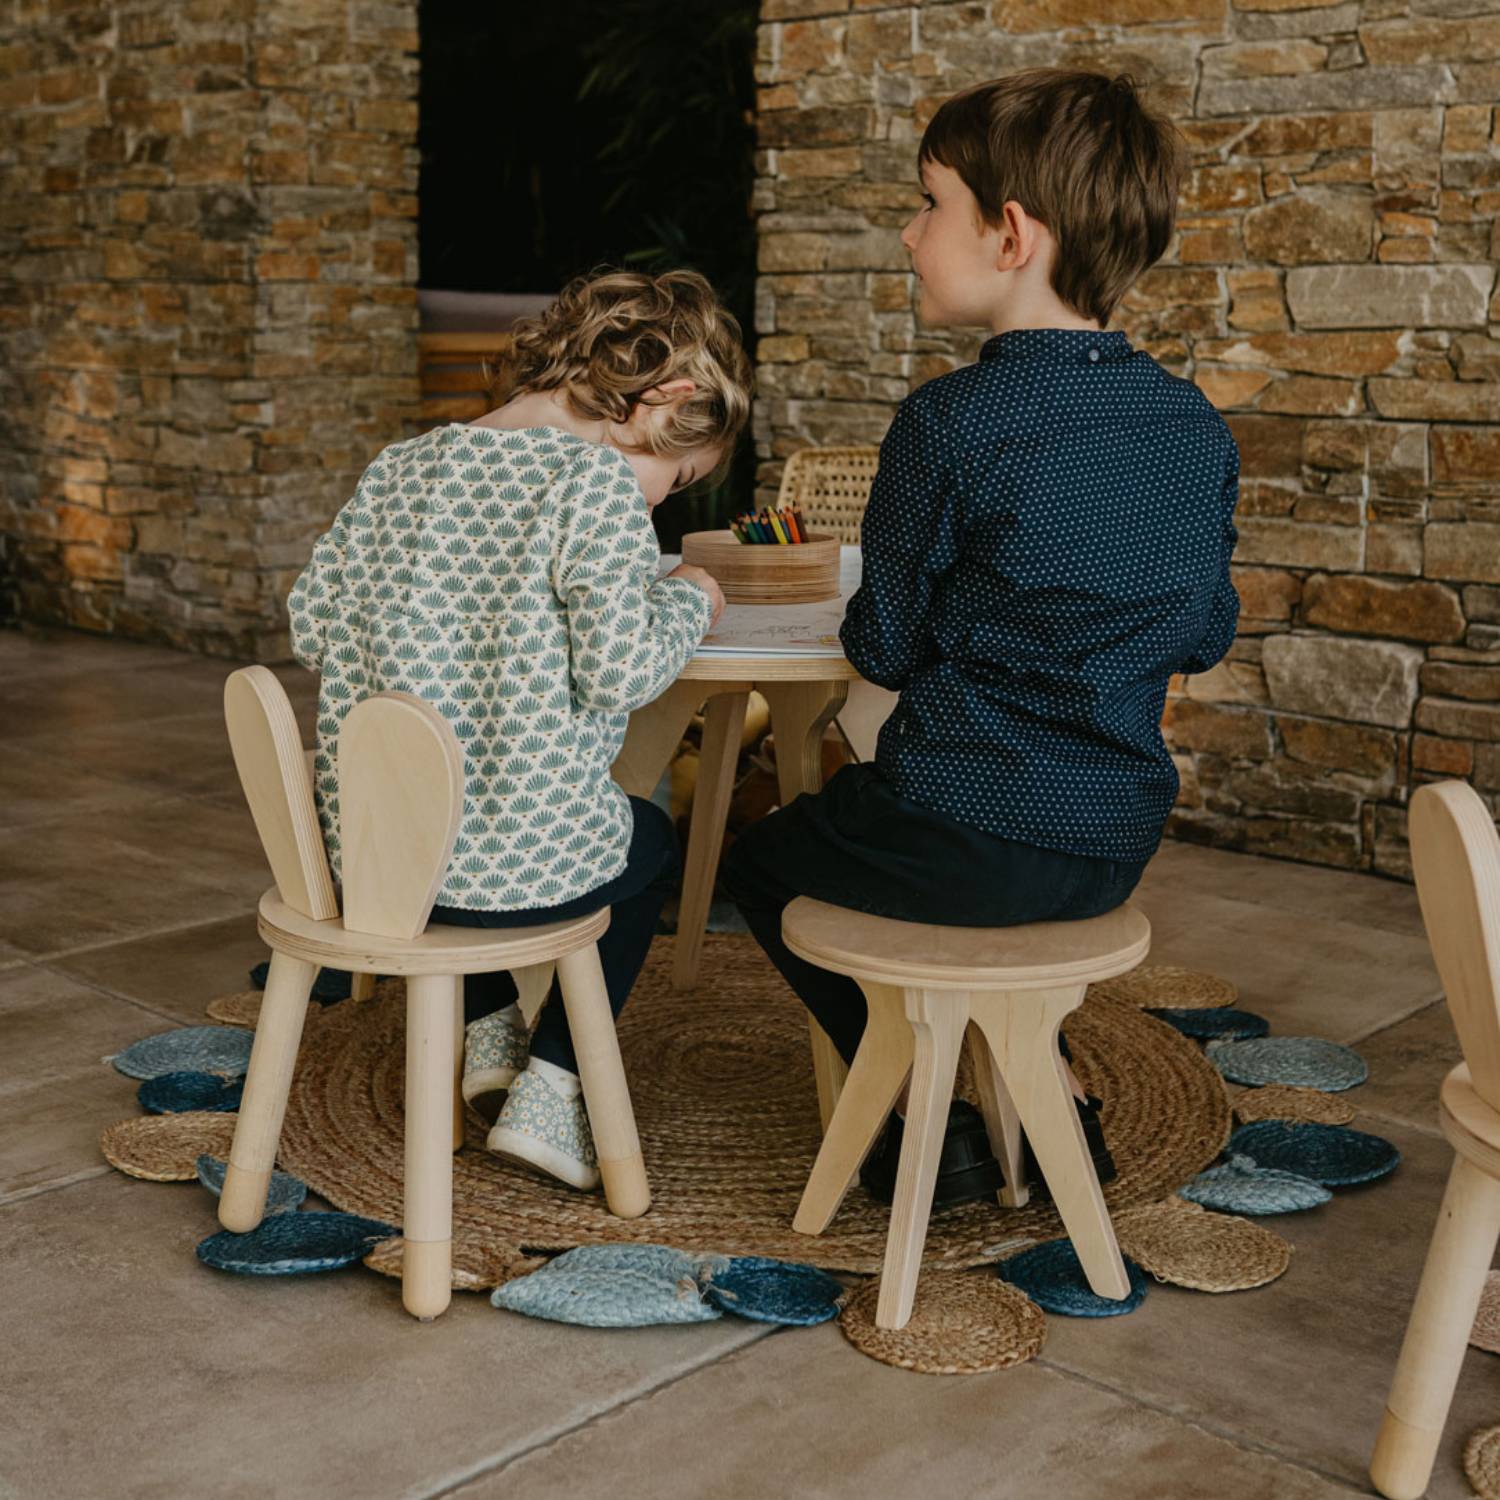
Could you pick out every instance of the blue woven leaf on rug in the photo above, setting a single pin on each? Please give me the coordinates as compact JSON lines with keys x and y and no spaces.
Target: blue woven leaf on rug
{"x":1308,"y":1062}
{"x":1331,"y":1154}
{"x":1224,"y":1022}
{"x":295,"y":1244}
{"x":1050,"y":1274}
{"x":331,"y":985}
{"x":175,"y":1093}
{"x":616,"y":1286}
{"x":1241,"y":1187}
{"x":776,"y":1291}
{"x":189,"y":1049}
{"x":285,"y":1191}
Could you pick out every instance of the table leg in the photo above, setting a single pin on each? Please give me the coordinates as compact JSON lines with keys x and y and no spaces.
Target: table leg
{"x":653,"y":735}
{"x":800,"y":712}
{"x":723,"y":721}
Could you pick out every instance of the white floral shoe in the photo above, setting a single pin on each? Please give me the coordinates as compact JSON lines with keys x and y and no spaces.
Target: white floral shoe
{"x":495,"y":1050}
{"x":541,"y":1128}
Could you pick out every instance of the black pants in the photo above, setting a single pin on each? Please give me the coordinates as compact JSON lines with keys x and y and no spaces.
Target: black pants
{"x":635,"y":897}
{"x":860,"y":845}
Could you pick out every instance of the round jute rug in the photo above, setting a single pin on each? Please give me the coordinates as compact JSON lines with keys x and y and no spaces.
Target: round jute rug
{"x":722,"y":1084}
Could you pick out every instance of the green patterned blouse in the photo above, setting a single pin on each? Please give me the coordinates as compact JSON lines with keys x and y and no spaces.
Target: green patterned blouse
{"x":509,"y":578}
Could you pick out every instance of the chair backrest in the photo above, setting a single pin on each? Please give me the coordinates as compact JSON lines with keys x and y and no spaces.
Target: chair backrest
{"x":1455,"y":853}
{"x":831,"y":487}
{"x":401,"y":793}
{"x":267,"y":748}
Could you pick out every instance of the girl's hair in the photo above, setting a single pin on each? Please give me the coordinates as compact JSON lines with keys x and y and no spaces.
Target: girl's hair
{"x":612,"y":335}
{"x":1079,"y":152}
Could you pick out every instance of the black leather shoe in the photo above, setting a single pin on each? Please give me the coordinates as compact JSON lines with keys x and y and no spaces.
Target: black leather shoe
{"x":1093,"y":1134}
{"x":967,"y":1169}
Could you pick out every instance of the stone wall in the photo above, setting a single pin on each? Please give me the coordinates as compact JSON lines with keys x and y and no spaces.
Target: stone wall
{"x":1331,"y":287}
{"x":207,"y":300}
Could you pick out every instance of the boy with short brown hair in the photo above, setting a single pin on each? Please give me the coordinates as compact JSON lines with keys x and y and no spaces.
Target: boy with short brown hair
{"x":1047,"y":540}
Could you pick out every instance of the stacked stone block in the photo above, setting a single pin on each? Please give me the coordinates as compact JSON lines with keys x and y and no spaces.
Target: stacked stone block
{"x":207,"y":300}
{"x":1331,"y":287}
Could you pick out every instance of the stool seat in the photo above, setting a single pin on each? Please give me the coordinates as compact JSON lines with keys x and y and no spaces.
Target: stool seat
{"x":1038,"y":955}
{"x":438,"y":950}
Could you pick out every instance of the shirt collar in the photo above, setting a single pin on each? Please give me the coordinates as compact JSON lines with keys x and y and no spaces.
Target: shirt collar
{"x":1059,"y":346}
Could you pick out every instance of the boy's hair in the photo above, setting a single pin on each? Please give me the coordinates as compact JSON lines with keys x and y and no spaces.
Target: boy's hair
{"x":612,"y":335}
{"x":1078,"y":151}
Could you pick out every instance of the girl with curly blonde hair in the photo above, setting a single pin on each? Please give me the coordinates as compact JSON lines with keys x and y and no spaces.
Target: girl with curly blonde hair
{"x":505,"y":570}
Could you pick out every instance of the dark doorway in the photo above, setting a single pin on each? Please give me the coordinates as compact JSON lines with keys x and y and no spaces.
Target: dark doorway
{"x":556,"y":138}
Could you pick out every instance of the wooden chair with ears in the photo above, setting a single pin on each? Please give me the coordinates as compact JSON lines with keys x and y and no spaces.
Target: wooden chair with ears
{"x":1455,"y":855}
{"x":400,"y":800}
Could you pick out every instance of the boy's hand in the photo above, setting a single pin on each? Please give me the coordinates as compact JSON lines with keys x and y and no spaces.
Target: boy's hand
{"x":703,"y":579}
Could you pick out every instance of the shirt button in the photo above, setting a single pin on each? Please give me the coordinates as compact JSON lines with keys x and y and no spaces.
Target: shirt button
{"x":1093,"y":356}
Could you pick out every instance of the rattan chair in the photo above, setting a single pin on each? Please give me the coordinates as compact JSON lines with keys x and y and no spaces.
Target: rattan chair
{"x":831,"y":487}
{"x":1455,"y":854}
{"x":401,"y":789}
{"x":1009,"y":989}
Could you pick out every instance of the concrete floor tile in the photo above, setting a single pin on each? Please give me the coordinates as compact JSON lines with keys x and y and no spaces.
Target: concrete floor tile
{"x":149,"y":1375}
{"x":1308,"y":975}
{"x":56,"y":653}
{"x":176,"y":973}
{"x":56,"y":1090}
{"x":1300,"y":1367}
{"x":805,"y":1414}
{"x":1408,"y":1063}
{"x":186,"y":755}
{"x":30,"y":791}
{"x":59,"y":893}
{"x":1312,"y":890}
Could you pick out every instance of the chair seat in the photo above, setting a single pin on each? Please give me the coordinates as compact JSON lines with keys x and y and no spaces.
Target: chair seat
{"x":438,"y":950}
{"x":1037,"y":955}
{"x":1471,"y":1125}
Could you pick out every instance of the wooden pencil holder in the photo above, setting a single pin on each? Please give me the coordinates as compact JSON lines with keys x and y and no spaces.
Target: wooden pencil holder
{"x":800,"y":573}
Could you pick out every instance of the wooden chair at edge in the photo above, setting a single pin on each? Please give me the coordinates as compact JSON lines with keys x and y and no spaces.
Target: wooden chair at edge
{"x":1455,"y":853}
{"x":400,"y":801}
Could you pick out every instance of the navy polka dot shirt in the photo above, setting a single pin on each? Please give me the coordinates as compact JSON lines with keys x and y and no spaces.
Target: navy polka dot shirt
{"x":1047,"y":540}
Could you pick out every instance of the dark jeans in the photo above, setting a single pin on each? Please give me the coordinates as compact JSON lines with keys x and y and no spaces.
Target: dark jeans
{"x":860,"y":845}
{"x":635,"y":897}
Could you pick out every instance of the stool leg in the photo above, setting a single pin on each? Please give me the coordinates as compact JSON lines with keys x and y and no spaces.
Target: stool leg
{"x":1021,"y":1027}
{"x":273,"y":1056}
{"x":605,"y":1094}
{"x":362,"y":987}
{"x":938,"y":1019}
{"x":1001,"y":1122}
{"x":1437,"y":1333}
{"x":532,"y":987}
{"x":829,"y":1072}
{"x":723,"y":724}
{"x":458,"y":1065}
{"x":875,"y":1078}
{"x":426,"y":1259}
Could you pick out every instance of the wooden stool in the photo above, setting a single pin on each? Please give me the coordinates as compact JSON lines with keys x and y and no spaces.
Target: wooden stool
{"x":1455,"y":854}
{"x":925,"y":987}
{"x":400,"y":800}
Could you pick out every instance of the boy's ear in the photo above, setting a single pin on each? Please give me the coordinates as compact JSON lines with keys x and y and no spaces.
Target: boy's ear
{"x":669,"y":391}
{"x":1019,"y":237}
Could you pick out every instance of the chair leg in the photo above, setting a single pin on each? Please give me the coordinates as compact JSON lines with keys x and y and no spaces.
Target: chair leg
{"x":829,"y":1071}
{"x":1021,"y":1028}
{"x":1437,"y":1333}
{"x":879,"y":1069}
{"x":458,"y":1064}
{"x":257,"y":1132}
{"x":605,"y":1094}
{"x":426,"y":1260}
{"x":938,"y":1019}
{"x":1001,"y":1122}
{"x":533,"y":984}
{"x":723,"y":724}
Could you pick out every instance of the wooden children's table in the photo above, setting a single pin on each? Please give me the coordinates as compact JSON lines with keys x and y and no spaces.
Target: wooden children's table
{"x":803,"y":693}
